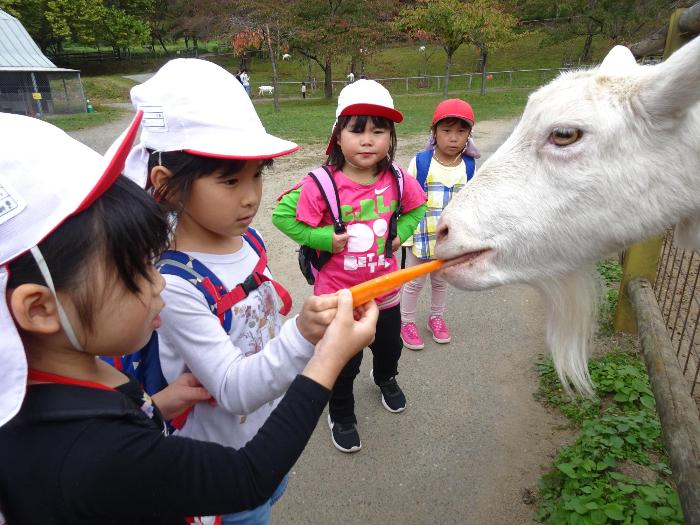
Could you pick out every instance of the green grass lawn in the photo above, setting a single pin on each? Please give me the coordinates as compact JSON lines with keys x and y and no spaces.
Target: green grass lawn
{"x":102,"y":115}
{"x":107,"y":88}
{"x":309,"y":121}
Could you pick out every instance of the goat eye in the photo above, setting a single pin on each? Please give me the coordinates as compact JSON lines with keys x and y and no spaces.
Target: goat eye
{"x":565,"y":136}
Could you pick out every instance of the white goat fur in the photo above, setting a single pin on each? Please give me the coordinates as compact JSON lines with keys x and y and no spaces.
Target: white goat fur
{"x":546,"y":213}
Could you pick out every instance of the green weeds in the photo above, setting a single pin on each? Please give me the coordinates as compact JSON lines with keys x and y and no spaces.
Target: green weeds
{"x":616,"y":471}
{"x":610,"y":271}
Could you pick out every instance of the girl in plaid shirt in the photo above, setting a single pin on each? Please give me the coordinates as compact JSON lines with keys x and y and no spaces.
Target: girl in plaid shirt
{"x":442,"y":170}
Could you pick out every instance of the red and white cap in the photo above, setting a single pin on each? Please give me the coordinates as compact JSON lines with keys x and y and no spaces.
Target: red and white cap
{"x":453,"y":108}
{"x":45,"y":177}
{"x":365,"y":97}
{"x":196,"y":106}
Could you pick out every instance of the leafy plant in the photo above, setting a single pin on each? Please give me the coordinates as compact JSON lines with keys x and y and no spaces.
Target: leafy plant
{"x":585,"y":485}
{"x":610,"y":271}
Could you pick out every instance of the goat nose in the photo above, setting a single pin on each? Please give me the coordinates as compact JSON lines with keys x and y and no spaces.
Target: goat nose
{"x":442,"y":231}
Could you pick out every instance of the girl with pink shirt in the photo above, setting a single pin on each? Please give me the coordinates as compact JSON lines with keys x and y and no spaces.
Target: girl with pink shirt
{"x":379,"y":207}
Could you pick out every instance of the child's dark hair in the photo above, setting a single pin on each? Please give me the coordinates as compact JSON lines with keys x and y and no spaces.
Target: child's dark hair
{"x":185,"y":169}
{"x":124,"y":226}
{"x":336,"y":157}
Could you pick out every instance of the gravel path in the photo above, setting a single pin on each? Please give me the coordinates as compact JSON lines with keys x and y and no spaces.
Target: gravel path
{"x":472,"y":443}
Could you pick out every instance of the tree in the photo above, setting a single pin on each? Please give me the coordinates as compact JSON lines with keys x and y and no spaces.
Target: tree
{"x":163,"y":21}
{"x":121,"y":30}
{"x":446,"y":22}
{"x":53,"y":22}
{"x":323,"y":30}
{"x":426,"y":53}
{"x":620,"y":21}
{"x":494,"y":28}
{"x":258,"y":22}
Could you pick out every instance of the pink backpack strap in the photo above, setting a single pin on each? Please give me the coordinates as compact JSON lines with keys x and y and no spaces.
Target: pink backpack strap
{"x":399,"y":175}
{"x":323,"y":178}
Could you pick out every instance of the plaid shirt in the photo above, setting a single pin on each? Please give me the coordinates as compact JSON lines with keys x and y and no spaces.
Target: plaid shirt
{"x":424,"y":236}
{"x":423,"y":245}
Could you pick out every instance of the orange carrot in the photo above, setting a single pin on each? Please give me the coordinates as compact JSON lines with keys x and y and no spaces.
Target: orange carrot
{"x":365,"y":292}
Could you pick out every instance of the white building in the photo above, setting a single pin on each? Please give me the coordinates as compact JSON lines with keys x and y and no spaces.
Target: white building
{"x":30,"y":84}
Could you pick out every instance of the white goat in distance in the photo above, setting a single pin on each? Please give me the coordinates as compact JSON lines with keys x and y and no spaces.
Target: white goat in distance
{"x":286,"y":56}
{"x":266,"y":90}
{"x":600,"y":159}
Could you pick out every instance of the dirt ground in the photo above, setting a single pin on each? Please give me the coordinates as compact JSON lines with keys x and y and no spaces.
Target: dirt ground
{"x":472,"y":443}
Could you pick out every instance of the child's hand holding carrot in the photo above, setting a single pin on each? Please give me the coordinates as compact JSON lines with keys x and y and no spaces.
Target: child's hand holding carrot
{"x":350,"y":331}
{"x":315,"y":316}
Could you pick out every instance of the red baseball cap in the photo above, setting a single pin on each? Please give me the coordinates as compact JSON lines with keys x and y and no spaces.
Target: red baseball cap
{"x":453,"y":108}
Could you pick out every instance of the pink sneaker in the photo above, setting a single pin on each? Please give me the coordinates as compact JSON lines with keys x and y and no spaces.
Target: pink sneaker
{"x":411,"y":338}
{"x":438,"y":327}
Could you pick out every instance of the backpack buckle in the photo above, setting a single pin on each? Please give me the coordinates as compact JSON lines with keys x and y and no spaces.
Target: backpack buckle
{"x":250,"y":284}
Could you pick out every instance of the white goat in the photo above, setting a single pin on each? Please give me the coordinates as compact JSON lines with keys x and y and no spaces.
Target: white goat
{"x":421,"y":49}
{"x":286,"y":56}
{"x":600,"y":159}
{"x":266,"y":90}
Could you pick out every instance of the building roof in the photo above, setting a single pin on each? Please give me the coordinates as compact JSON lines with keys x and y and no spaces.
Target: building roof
{"x":18,"y":52}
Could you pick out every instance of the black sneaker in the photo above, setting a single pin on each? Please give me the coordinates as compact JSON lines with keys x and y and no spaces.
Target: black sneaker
{"x":344,"y":436}
{"x":393,"y":397}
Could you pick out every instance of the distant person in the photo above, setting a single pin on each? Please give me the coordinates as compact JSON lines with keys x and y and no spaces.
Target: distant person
{"x":303,"y":90}
{"x":245,"y":80}
{"x":351,"y":77}
{"x":382,"y":207}
{"x":442,"y":170}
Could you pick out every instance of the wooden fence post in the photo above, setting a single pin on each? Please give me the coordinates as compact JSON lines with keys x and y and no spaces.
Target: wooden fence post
{"x":641,"y":260}
{"x":674,"y":404}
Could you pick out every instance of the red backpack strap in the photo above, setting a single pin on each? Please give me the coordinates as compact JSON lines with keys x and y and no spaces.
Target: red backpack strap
{"x":285,"y":192}
{"x":254,"y":280}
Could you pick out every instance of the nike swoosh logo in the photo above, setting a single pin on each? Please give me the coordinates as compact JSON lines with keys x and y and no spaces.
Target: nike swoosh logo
{"x":379,"y":192}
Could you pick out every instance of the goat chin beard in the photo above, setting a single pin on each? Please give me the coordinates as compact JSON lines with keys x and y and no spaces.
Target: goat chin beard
{"x":571,"y":301}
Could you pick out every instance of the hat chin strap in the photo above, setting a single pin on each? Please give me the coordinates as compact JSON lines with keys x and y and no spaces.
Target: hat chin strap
{"x":63,"y":318}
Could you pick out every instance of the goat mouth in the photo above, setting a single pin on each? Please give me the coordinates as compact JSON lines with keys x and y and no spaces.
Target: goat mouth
{"x":466,"y":259}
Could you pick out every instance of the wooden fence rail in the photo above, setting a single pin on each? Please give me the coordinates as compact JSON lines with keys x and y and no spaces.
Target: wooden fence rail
{"x":674,"y":404}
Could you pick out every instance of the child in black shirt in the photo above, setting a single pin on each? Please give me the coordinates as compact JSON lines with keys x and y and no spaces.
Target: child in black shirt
{"x":86,"y":444}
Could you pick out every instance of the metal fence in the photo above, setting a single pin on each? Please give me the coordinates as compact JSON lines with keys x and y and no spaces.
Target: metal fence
{"x":678,"y":295}
{"x":41,"y":93}
{"x":464,"y":82}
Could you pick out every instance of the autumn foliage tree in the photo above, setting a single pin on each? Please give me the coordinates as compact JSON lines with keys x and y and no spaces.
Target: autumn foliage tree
{"x":451,"y":23}
{"x":323,"y":30}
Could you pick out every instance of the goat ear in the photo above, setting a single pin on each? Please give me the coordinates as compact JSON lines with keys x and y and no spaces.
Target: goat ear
{"x":618,"y":61}
{"x":672,"y":86}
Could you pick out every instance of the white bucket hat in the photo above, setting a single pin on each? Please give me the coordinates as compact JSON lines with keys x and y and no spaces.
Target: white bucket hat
{"x":198,"y":107}
{"x":45,"y":177}
{"x":365,"y":97}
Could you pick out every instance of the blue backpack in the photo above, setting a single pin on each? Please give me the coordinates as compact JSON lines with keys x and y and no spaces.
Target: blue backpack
{"x":423,"y":165}
{"x":144,"y":364}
